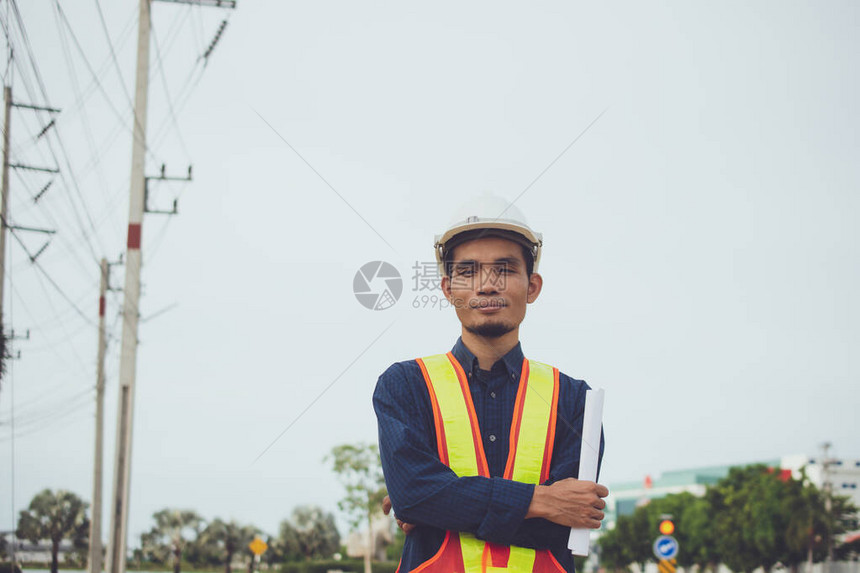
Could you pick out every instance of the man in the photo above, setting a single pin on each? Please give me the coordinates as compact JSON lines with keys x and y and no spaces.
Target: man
{"x":480,"y":447}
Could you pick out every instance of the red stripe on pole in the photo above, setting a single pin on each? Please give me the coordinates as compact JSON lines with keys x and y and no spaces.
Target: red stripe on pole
{"x":101,"y":306}
{"x":134,"y":235}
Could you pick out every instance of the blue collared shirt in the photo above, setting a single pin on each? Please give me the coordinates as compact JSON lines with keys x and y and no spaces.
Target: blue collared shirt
{"x":429,"y":494}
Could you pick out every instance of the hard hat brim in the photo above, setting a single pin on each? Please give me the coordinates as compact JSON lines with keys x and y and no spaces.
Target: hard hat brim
{"x":502,"y":225}
{"x":510,"y":230}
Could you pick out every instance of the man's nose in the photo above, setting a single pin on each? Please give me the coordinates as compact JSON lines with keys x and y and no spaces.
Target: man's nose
{"x":488,"y":280}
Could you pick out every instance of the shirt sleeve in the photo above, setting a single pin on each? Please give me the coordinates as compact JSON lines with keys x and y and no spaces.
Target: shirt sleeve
{"x":423,"y":490}
{"x":539,"y":533}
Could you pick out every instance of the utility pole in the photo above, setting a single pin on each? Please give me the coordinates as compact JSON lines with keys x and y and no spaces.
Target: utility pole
{"x":4,"y":192}
{"x":118,"y":536}
{"x":8,"y":104}
{"x":95,"y":558}
{"x":130,"y":309}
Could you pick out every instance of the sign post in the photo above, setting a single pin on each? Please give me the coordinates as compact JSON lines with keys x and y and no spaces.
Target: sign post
{"x":665,"y":550}
{"x":257,"y":547}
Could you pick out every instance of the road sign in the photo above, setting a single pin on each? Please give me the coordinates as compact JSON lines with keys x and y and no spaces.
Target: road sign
{"x":665,"y":547}
{"x":667,"y":565}
{"x":258,"y":546}
{"x":667,"y":527}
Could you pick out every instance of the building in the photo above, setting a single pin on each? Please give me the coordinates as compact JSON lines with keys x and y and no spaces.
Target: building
{"x":843,"y":476}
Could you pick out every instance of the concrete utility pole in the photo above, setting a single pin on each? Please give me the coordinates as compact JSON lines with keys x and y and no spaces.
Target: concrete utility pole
{"x":4,"y":192}
{"x":95,"y":557}
{"x":130,"y":308}
{"x":8,"y":104}
{"x":118,"y":536}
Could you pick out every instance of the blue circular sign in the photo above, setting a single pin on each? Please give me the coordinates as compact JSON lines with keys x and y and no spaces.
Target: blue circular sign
{"x":665,"y":547}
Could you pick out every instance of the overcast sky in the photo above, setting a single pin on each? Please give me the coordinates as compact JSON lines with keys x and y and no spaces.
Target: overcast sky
{"x":701,"y":232}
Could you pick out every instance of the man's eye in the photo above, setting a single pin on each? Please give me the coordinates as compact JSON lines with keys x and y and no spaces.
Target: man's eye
{"x":465,"y":271}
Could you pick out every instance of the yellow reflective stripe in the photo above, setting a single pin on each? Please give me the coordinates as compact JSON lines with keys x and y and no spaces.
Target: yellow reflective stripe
{"x":473,"y":552}
{"x":455,"y":415}
{"x":462,"y":457}
{"x":522,"y":560}
{"x":534,"y":425}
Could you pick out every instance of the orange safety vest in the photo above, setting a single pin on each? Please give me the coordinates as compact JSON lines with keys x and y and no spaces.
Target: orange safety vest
{"x":458,"y":440}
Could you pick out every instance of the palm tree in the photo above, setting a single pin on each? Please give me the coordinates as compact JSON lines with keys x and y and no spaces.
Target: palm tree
{"x":316,"y":532}
{"x":55,"y":516}
{"x":226,"y":539}
{"x":173,"y":529}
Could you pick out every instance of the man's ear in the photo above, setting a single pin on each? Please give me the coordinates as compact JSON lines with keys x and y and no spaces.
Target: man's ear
{"x":535,"y":286}
{"x":446,"y":287}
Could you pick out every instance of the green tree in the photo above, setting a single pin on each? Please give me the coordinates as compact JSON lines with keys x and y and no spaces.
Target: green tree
{"x":612,"y":548}
{"x":359,"y":470}
{"x":746,"y":518}
{"x":310,"y":533}
{"x":630,"y":540}
{"x":55,"y":516}
{"x":221,"y":540}
{"x":762,"y":518}
{"x":754,"y":517}
{"x":173,"y":530}
{"x":694,"y":527}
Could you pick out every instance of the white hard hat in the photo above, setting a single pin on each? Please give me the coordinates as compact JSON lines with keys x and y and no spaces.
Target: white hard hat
{"x":490,"y":213}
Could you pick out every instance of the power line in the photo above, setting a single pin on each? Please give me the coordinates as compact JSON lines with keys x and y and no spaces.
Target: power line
{"x":56,"y":134}
{"x":73,"y":77}
{"x":53,"y":283}
{"x":46,"y":424}
{"x":101,"y":87}
{"x":116,"y":64}
{"x":170,"y":109}
{"x":121,"y":39}
{"x":35,"y":411}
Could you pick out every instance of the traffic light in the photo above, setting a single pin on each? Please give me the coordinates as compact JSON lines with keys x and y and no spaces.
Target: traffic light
{"x":667,"y":526}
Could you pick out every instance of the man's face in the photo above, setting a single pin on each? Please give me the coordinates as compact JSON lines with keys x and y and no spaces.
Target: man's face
{"x":489,"y":287}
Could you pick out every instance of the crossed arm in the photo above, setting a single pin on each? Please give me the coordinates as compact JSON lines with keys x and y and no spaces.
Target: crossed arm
{"x":569,"y":502}
{"x":426,"y":492}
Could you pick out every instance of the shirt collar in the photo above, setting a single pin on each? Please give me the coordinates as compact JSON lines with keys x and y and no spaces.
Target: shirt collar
{"x":512,"y":361}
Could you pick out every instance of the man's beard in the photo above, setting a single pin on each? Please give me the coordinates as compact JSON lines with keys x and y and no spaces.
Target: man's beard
{"x":491,"y":329}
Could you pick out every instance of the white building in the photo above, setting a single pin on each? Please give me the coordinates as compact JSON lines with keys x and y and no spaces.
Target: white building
{"x":843,"y":475}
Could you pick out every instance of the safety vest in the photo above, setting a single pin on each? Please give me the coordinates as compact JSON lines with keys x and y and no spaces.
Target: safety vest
{"x":458,"y":440}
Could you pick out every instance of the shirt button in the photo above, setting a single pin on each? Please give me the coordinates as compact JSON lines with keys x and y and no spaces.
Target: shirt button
{"x":492,"y":394}
{"x":492,"y":437}
{"x":513,"y":376}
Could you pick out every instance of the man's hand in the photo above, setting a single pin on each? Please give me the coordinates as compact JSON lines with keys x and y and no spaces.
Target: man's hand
{"x":570,"y":502}
{"x":386,"y":508}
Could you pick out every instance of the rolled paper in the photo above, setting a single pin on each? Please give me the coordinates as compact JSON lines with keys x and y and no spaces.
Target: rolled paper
{"x":588,"y":457}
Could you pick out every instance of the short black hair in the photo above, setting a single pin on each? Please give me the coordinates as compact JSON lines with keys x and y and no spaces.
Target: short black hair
{"x":457,"y":240}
